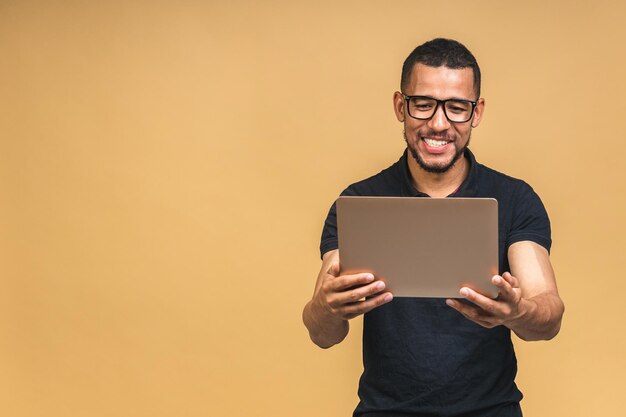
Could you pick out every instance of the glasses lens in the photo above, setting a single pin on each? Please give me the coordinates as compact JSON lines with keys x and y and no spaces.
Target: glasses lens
{"x":422,"y":107}
{"x":458,"y":111}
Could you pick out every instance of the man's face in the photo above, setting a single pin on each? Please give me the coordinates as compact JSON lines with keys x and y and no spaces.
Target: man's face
{"x":436,"y":144}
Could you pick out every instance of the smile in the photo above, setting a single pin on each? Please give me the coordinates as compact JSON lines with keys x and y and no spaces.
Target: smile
{"x":435,"y":143}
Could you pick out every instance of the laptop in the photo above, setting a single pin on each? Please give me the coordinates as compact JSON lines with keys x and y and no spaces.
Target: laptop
{"x":421,"y":247}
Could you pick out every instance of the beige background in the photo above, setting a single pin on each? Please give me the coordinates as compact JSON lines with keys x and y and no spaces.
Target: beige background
{"x":166,"y":168}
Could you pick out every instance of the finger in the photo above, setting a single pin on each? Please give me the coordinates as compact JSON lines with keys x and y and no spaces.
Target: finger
{"x":467,"y":310}
{"x":505,"y":289}
{"x":355,"y":294}
{"x":514,"y":282}
{"x":352,"y":310}
{"x":472,"y":313}
{"x":344,"y":282}
{"x":490,"y":306}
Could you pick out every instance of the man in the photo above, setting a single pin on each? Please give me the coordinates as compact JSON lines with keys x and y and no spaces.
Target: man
{"x":436,"y":357}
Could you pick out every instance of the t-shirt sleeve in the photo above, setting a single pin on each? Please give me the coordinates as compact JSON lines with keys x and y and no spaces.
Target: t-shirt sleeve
{"x":530,"y":219}
{"x":330,"y":241}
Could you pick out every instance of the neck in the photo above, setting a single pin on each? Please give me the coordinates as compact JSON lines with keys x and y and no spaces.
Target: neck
{"x":438,"y":184}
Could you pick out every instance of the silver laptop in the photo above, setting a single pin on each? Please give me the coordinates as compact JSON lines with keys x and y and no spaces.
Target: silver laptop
{"x":421,"y":247}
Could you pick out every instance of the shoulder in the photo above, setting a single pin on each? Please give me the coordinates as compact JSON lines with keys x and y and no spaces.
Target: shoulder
{"x":387,"y":182}
{"x":489,"y":177}
{"x":522,"y":212}
{"x":506,"y":189}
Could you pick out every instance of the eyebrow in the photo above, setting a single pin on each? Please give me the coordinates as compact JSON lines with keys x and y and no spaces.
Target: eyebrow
{"x":441,"y":99}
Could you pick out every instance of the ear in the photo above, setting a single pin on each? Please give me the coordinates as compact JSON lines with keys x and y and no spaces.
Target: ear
{"x":398,"y":106}
{"x":478,"y":112}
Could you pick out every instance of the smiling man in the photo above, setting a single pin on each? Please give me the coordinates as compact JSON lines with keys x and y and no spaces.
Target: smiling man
{"x":436,"y":357}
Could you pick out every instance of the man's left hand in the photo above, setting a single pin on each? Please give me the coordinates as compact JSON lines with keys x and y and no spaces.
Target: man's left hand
{"x":504,"y":310}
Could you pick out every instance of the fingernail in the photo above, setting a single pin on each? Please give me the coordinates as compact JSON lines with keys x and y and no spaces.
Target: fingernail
{"x":380,"y":285}
{"x":388,"y":297}
{"x":450,"y":303}
{"x":369,"y":277}
{"x":464,"y":292}
{"x":496,"y":279}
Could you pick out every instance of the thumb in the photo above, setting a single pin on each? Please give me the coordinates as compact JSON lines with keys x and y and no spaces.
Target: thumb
{"x":333,"y":269}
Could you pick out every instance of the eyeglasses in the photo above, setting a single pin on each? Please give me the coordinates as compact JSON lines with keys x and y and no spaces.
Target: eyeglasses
{"x":425,"y":107}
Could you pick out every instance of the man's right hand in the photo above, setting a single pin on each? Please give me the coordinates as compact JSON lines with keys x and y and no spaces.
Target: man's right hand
{"x":347,"y":296}
{"x":339,"y":298}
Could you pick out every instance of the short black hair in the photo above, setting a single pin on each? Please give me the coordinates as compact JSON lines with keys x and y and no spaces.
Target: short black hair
{"x":441,"y":52}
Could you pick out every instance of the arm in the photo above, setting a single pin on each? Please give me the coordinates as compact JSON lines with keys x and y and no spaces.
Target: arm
{"x":528,"y":304}
{"x":337,"y":299}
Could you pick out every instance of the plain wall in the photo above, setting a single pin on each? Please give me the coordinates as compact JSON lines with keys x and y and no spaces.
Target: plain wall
{"x":166,"y":167}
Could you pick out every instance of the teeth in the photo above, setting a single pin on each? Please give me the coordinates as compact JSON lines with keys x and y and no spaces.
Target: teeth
{"x":433,"y":142}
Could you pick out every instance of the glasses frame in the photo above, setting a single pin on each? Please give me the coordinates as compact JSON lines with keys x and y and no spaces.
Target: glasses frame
{"x":443,"y":106}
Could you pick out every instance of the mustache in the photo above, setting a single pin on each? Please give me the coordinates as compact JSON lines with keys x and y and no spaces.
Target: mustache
{"x":429,"y":133}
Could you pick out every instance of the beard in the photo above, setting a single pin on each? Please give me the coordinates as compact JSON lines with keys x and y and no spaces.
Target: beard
{"x":435,"y":169}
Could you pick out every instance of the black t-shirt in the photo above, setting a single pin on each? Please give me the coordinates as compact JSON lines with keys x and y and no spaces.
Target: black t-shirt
{"x":421,"y":357}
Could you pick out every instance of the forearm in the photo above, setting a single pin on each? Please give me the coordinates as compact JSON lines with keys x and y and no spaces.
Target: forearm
{"x":541,"y":319}
{"x":324,"y":330}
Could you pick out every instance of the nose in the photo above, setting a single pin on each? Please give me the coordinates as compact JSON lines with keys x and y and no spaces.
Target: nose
{"x":439,"y":122}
